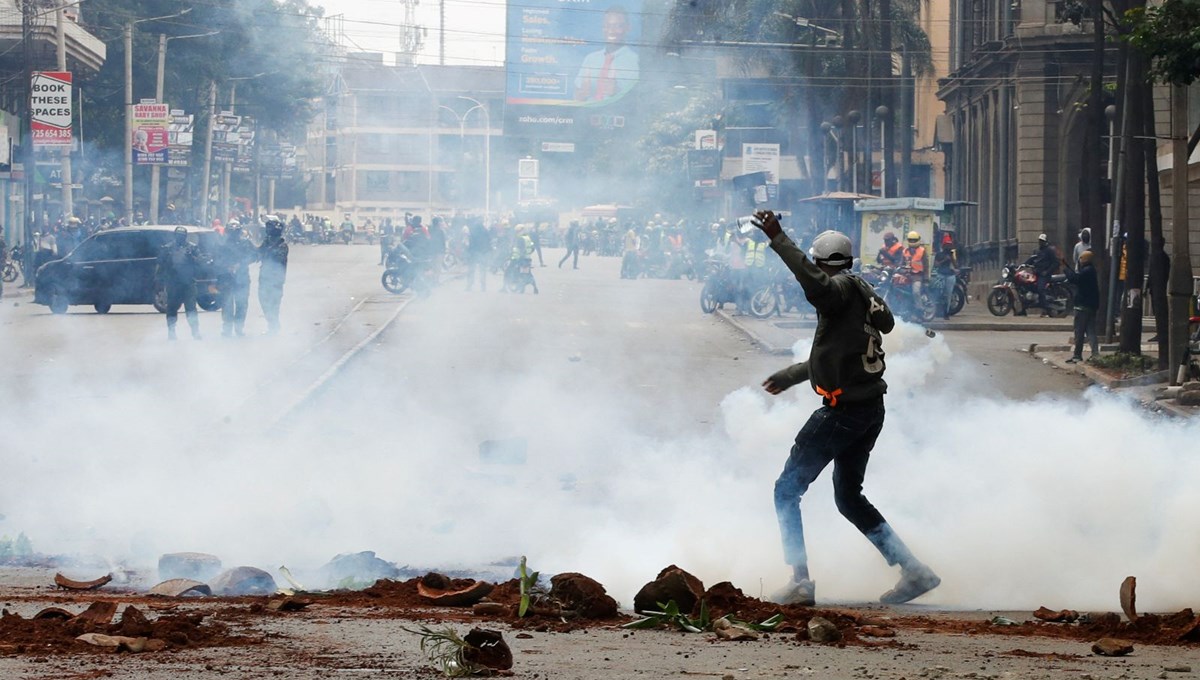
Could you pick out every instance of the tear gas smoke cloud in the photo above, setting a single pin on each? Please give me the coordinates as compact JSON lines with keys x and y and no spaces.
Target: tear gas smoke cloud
{"x":1016,"y":504}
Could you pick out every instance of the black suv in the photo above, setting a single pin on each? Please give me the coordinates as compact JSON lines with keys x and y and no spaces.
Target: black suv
{"x":116,"y":267}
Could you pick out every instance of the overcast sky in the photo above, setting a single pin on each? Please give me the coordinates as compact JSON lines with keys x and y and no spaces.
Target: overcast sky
{"x":474,"y":28}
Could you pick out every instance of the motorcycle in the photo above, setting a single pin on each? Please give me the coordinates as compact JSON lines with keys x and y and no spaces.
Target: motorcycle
{"x":719,"y":286}
{"x":402,"y":273}
{"x":12,"y":267}
{"x":782,"y":294}
{"x":959,"y":297}
{"x":519,"y":274}
{"x":896,"y":289}
{"x":347,"y":236}
{"x":1018,"y":286}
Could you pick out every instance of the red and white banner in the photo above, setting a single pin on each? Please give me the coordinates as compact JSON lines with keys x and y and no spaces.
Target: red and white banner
{"x":51,"y":115}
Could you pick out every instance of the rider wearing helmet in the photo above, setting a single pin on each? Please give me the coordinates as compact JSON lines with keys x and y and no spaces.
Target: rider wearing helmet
{"x":845,"y":367}
{"x":914,"y":260}
{"x":273,"y":254}
{"x":1045,"y":264}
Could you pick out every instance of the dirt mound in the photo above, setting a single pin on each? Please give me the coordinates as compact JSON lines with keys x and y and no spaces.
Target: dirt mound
{"x":57,"y":635}
{"x":583,"y":595}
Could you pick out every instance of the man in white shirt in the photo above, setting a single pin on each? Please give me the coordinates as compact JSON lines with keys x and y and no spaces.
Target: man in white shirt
{"x":611,"y":72}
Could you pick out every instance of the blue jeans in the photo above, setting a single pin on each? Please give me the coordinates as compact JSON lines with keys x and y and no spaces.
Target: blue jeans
{"x":948,"y":283}
{"x":844,"y":436}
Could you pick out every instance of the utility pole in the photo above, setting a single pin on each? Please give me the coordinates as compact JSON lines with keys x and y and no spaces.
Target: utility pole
{"x":158,"y":97}
{"x":27,"y":159}
{"x":227,"y":167}
{"x":128,"y":151}
{"x":208,"y":137}
{"x":68,"y":205}
{"x":1179,"y":285}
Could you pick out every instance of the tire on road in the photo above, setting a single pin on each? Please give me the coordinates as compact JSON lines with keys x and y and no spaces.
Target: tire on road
{"x":708,"y":299}
{"x":393,"y":282}
{"x":58,"y":301}
{"x":763,"y":302}
{"x":102,"y":307}
{"x":999,"y":302}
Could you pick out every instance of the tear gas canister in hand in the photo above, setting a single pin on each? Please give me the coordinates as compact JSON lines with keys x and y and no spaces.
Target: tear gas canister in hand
{"x":747,"y":225}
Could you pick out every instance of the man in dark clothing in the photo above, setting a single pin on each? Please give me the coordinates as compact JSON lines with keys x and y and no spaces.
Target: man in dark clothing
{"x":437,"y":240}
{"x":846,"y":368}
{"x":1087,"y":301}
{"x":178,"y":263}
{"x":535,"y":236}
{"x":891,"y":255}
{"x":945,"y":267}
{"x":572,"y":243}
{"x":479,"y":252}
{"x":233,"y":280}
{"x":1045,"y":264}
{"x":273,"y":253}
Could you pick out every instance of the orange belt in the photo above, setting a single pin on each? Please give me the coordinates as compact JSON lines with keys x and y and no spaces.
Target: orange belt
{"x":830,"y":396}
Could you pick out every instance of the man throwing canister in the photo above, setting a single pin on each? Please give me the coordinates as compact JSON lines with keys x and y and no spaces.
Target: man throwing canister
{"x":845,"y":367}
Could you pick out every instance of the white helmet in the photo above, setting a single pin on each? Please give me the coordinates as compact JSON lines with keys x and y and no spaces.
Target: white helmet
{"x":831,"y":248}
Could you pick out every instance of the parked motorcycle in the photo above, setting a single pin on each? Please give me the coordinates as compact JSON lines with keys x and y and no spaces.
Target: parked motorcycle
{"x":780,"y":295}
{"x":719,"y":286}
{"x":518,"y":275}
{"x":959,"y":297}
{"x":347,"y":236}
{"x":1016,"y":291}
{"x":12,"y":268}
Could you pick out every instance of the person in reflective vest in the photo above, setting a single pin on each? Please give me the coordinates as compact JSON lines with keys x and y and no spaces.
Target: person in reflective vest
{"x":892,"y":253}
{"x":914,"y":260}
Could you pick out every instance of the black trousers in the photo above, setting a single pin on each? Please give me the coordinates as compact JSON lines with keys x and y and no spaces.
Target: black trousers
{"x":571,"y":250}
{"x":235,"y":298}
{"x":182,"y":294}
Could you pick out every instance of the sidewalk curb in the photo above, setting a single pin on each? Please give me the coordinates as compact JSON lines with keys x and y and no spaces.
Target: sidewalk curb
{"x":1040,"y":352}
{"x":753,"y":336}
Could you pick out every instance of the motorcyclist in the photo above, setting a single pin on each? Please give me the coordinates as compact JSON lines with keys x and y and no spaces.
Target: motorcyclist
{"x":178,"y":262}
{"x":522,"y":249}
{"x":629,"y":259}
{"x":233,"y":279}
{"x":347,"y":227}
{"x":891,"y":255}
{"x":1045,"y":264}
{"x":914,"y":261}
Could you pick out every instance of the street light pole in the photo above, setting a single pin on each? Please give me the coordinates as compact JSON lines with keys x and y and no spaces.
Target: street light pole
{"x":68,"y":207}
{"x":129,"y":123}
{"x":158,"y":97}
{"x":487,"y":156}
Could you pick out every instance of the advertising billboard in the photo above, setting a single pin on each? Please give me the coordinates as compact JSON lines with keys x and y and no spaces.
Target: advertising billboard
{"x":51,"y":102}
{"x":572,"y":67}
{"x":179,"y":138}
{"x":150,"y":120}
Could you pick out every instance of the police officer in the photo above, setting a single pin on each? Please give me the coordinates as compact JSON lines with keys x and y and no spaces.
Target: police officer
{"x":273,"y":254}
{"x":178,"y":263}
{"x":233,"y":279}
{"x":845,"y":367}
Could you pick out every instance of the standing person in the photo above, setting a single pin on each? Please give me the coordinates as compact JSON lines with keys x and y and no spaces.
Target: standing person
{"x":572,"y":243}
{"x":386,"y":233}
{"x":178,"y":262}
{"x":233,"y":280}
{"x":633,"y":243}
{"x":46,"y":249}
{"x":273,"y":254}
{"x":1084,"y":245}
{"x":535,"y":237}
{"x":945,"y":266}
{"x":735,"y":246}
{"x":437,"y":241}
{"x":1087,"y":301}
{"x":479,"y":254}
{"x":845,"y":367}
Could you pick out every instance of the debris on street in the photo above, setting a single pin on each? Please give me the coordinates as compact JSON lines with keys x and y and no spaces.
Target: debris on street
{"x":178,"y":587}
{"x":1129,"y":597}
{"x":728,"y":630}
{"x":69,"y":584}
{"x":672,"y":583}
{"x":442,"y":591}
{"x":823,"y":630}
{"x":244,"y":581}
{"x":1061,"y":616}
{"x":1112,"y":647}
{"x":192,"y":565}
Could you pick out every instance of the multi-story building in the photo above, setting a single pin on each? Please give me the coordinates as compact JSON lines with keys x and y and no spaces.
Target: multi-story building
{"x":397,"y":139}
{"x":84,"y":53}
{"x":1015,"y":101}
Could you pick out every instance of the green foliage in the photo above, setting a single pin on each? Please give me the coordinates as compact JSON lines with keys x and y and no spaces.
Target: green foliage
{"x":669,"y":615}
{"x":529,"y":588}
{"x":22,"y":547}
{"x":1124,"y":361}
{"x":1169,"y":34}
{"x":447,"y":650}
{"x":6,"y":547}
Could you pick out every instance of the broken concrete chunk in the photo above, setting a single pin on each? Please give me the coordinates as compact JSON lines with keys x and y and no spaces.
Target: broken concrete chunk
{"x":1062,"y":616}
{"x":134,"y":623}
{"x":1188,"y":398}
{"x":728,"y":630}
{"x":583,"y":595}
{"x":100,"y":613}
{"x":488,"y":649}
{"x":192,"y":565}
{"x":69,"y":584}
{"x":877,"y":631}
{"x":53,"y":614}
{"x":1129,"y":597}
{"x":1112,"y":647}
{"x":822,"y":630}
{"x":178,"y":587}
{"x":490,"y":609}
{"x":460,"y":595}
{"x":288,"y":604}
{"x":1178,"y":668}
{"x":357,"y":570}
{"x":672,"y":583}
{"x":123,"y":643}
{"x":244,"y":581}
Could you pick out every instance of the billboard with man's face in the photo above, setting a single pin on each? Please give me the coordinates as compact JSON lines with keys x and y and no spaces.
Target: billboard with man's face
{"x":572,"y":66}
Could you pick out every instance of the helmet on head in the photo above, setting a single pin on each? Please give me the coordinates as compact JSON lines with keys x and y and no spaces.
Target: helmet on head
{"x":181,"y":230}
{"x":831,"y":248}
{"x":1042,"y":238}
{"x":913,"y":237}
{"x":234,"y":223}
{"x":889,"y":237}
